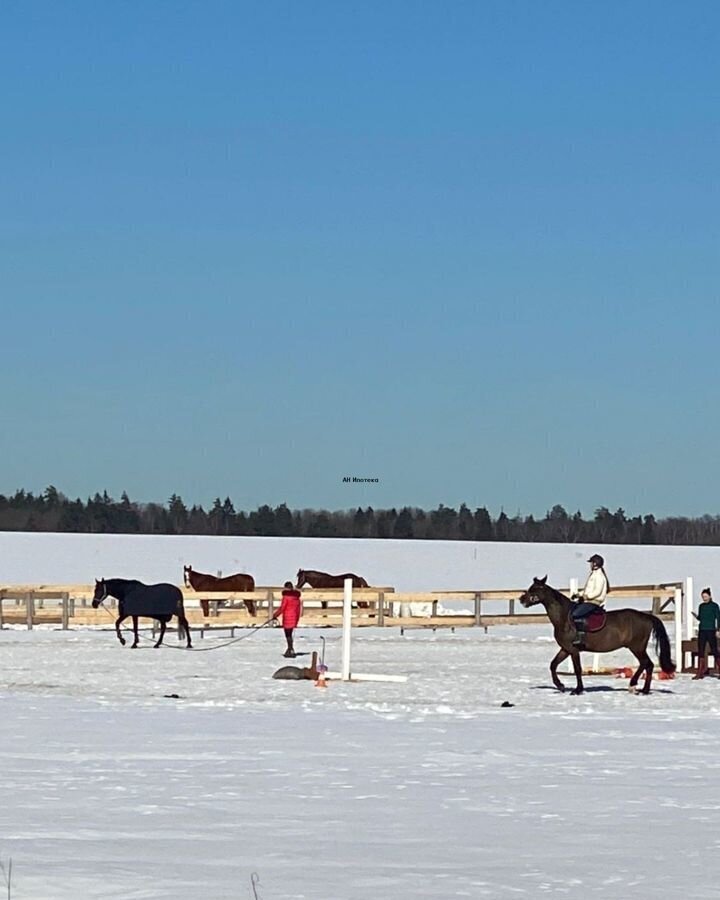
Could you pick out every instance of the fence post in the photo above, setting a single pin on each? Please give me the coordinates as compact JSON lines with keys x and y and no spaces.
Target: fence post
{"x":511,"y":606}
{"x":679,"y":655}
{"x":270,"y":602}
{"x":30,"y":608}
{"x":478,"y":608}
{"x":65,"y":611}
{"x":689,"y":602}
{"x":2,"y":597}
{"x":381,"y":608}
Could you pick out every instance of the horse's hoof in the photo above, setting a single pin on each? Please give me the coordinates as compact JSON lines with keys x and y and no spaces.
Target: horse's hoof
{"x":575,"y":692}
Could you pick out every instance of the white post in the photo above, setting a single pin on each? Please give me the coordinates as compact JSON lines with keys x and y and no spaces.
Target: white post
{"x":679,"y":658}
{"x":687,"y":612}
{"x":573,"y":586}
{"x":347,"y":626}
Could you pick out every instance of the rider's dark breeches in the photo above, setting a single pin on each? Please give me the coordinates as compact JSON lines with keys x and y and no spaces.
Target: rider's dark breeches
{"x":581,"y":610}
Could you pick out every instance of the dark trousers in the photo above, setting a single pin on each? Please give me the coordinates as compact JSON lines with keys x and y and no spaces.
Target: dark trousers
{"x":707,"y":638}
{"x":584,"y":609}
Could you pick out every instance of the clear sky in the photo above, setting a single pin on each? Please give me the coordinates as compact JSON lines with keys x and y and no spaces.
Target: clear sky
{"x":470,"y":249}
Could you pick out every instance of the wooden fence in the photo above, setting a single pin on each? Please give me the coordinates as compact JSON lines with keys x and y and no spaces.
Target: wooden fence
{"x":70,"y":606}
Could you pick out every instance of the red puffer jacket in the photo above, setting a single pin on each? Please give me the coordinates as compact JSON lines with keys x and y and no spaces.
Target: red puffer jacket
{"x":290,"y":608}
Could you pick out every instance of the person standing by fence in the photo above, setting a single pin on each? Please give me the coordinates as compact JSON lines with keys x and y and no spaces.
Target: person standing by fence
{"x":290,"y":610}
{"x":708,"y":615}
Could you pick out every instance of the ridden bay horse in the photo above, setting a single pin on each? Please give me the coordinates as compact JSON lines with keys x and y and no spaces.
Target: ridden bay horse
{"x":199,"y":581}
{"x":323,"y":580}
{"x":152,"y":601}
{"x":623,"y":628}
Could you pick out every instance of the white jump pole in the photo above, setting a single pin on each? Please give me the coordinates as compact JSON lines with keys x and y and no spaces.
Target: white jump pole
{"x":347,"y":629}
{"x":345,"y":674}
{"x":687,"y":612}
{"x":679,"y":657}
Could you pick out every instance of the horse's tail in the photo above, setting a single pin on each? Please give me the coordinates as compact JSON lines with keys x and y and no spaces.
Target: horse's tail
{"x":662,"y":646}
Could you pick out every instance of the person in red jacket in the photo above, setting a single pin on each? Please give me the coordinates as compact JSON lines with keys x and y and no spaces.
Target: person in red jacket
{"x":290,"y":610}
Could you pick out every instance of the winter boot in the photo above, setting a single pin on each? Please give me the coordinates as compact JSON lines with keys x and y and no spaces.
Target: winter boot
{"x":701,"y":671}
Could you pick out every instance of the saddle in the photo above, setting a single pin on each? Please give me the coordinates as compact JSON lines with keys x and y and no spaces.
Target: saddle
{"x":592,"y":623}
{"x":595,"y":621}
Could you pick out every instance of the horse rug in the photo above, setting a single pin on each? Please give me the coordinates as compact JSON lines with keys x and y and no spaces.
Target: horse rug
{"x":152,"y":600}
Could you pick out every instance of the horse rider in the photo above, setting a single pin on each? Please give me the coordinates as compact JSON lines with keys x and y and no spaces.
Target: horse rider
{"x":591,"y":597}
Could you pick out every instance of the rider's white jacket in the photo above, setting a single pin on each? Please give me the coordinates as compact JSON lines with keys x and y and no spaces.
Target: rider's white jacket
{"x":596,"y":588}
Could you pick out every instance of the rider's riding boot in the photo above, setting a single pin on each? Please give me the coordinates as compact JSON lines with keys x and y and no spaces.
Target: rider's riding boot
{"x":579,"y":638}
{"x":701,"y":671}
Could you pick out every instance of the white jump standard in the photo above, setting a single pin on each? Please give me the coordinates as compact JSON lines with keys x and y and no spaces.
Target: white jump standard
{"x":346,"y":674}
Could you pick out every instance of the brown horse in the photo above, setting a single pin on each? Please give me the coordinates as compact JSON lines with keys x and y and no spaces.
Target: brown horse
{"x":623,"y":628}
{"x":322,"y":580}
{"x":199,"y":581}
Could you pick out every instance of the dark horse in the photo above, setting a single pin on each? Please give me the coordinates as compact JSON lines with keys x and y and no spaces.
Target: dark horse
{"x":199,"y":581}
{"x":623,"y":628}
{"x":323,"y":580}
{"x":152,"y":601}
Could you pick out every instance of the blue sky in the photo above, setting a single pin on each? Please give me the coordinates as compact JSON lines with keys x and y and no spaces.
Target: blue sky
{"x":469,"y":249}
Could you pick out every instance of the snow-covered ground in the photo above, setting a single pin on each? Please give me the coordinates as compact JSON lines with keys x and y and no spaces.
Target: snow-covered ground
{"x":111,"y":788}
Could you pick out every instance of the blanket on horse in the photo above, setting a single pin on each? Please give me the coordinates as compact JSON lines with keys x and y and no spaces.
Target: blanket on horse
{"x":153,"y":600}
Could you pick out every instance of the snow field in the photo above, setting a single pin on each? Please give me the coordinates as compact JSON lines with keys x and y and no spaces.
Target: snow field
{"x":429,"y":789}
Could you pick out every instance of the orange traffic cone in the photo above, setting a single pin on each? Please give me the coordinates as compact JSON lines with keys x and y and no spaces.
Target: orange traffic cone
{"x":321,"y":683}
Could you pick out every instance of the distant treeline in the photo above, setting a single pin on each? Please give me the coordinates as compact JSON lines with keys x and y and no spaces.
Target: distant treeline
{"x":52,"y":511}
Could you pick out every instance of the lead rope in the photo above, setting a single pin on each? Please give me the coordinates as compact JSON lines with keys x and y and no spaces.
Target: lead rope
{"x":196,"y":649}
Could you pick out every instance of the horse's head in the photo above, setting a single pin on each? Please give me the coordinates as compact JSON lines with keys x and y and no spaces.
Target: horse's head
{"x":535,"y":593}
{"x":186,"y":575}
{"x":100,"y":594}
{"x":300,"y":578}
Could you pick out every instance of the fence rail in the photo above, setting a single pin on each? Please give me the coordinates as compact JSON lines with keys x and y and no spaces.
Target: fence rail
{"x":70,"y":605}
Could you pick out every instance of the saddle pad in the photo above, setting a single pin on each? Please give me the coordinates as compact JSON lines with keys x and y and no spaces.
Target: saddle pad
{"x":596,"y":620}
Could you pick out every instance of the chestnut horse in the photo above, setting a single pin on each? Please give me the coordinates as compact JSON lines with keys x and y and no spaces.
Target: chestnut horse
{"x":323,"y":580}
{"x":623,"y":628}
{"x":199,"y":581}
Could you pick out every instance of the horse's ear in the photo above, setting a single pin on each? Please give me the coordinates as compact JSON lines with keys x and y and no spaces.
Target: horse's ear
{"x":96,"y":581}
{"x":543,"y":580}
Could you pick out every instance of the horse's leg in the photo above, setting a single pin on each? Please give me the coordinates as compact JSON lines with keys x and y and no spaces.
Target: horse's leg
{"x":250,"y":607}
{"x":184,"y":624}
{"x":135,"y":632}
{"x":579,"y":688}
{"x":205,"y":607}
{"x":163,"y":626}
{"x":646,"y":665}
{"x":559,"y":657}
{"x":118,"y":623}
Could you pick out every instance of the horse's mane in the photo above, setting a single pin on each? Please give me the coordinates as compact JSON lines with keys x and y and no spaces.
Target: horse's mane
{"x":126,"y":581}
